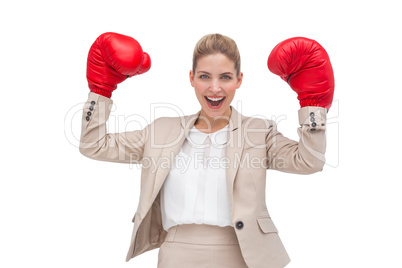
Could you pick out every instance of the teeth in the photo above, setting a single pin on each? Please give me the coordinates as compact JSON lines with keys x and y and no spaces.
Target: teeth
{"x":215,"y":99}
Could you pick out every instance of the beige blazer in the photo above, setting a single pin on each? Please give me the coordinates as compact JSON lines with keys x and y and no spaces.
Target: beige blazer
{"x":254,"y":146}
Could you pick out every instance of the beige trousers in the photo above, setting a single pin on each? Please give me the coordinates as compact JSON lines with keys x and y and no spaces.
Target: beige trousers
{"x":200,"y":246}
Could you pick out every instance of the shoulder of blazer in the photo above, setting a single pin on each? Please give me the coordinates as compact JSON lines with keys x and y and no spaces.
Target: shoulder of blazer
{"x":186,"y":121}
{"x":167,"y":132}
{"x":257,"y":123}
{"x":166,"y":121}
{"x":169,"y":122}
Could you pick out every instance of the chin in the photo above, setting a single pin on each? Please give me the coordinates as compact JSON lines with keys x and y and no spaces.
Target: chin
{"x":216,"y":113}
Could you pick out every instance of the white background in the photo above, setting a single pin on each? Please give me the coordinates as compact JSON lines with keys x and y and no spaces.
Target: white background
{"x":60,"y":209}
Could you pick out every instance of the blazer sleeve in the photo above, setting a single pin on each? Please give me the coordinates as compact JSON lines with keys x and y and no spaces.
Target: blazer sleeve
{"x":96,"y":143}
{"x":308,"y":154}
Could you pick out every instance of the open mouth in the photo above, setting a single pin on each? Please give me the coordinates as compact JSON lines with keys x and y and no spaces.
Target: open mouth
{"x":214,"y":103}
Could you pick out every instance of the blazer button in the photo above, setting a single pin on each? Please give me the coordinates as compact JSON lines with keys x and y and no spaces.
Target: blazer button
{"x":93,"y":103}
{"x":87,"y":118}
{"x":239,"y":225}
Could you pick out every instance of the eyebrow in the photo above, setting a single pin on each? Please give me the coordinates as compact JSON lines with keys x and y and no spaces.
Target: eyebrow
{"x":209,"y":73}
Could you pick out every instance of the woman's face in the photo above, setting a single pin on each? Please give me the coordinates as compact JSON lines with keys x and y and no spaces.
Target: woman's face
{"x":215,"y":83}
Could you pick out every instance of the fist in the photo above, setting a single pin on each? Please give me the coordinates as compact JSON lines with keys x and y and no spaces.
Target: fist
{"x":305,"y":66}
{"x":113,"y":58}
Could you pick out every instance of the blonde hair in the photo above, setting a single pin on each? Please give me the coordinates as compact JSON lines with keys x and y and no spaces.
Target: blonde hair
{"x":216,"y":43}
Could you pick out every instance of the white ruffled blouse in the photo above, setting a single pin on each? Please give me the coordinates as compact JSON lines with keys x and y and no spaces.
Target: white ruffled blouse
{"x":195,"y":189}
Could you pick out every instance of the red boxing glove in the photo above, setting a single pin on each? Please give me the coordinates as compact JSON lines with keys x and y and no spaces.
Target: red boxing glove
{"x":305,"y":65}
{"x":112,"y":59}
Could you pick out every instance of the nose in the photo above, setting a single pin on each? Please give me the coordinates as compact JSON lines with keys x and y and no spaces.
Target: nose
{"x":215,"y":86}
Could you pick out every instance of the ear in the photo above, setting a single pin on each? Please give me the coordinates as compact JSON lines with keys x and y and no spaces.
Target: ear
{"x":191,"y":78}
{"x":239,"y":80}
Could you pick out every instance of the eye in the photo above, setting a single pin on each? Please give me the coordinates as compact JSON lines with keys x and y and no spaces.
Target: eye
{"x":204,"y":76}
{"x":226,"y":77}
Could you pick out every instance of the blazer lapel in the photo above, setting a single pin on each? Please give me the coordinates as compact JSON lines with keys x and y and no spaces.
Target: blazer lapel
{"x":177,"y":133}
{"x":234,"y":149}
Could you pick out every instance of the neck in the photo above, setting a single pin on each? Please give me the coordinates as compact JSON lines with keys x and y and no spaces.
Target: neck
{"x":209,"y":124}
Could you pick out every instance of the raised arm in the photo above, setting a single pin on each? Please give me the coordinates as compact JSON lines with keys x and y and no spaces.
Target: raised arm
{"x":305,"y":66}
{"x":112,"y":59}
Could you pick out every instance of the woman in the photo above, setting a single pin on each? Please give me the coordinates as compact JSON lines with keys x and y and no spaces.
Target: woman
{"x":202,"y":198}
